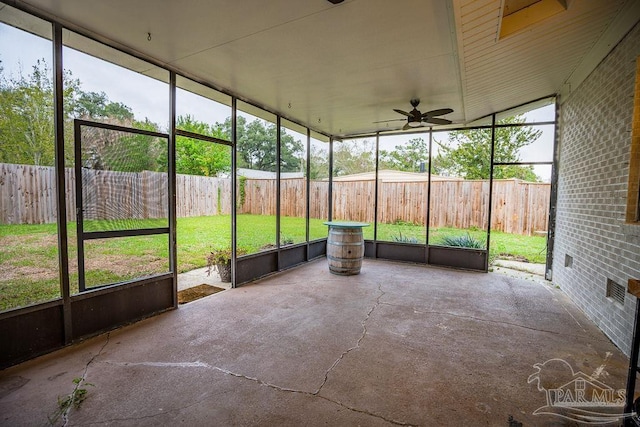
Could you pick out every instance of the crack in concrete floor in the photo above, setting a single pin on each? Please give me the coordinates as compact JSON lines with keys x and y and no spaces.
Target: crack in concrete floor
{"x":150,"y":416}
{"x":500,"y":322}
{"x":316,"y":393}
{"x":82,"y":381}
{"x":364,"y":333}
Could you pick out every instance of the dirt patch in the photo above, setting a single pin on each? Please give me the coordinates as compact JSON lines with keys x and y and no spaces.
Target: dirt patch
{"x":120,"y":265}
{"x":38,"y":240}
{"x":28,"y":272}
{"x":124,"y":265}
{"x":186,"y":267}
{"x":28,"y":257}
{"x":197,"y":292}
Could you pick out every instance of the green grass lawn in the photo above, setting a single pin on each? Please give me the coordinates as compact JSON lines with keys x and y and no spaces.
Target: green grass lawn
{"x":29,"y":254}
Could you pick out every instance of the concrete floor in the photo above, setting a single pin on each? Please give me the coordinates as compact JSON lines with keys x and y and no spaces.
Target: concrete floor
{"x":400,"y":344}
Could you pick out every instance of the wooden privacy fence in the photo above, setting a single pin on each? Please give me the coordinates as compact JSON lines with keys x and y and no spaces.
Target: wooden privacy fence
{"x":27,"y":196}
{"x":518,"y":207}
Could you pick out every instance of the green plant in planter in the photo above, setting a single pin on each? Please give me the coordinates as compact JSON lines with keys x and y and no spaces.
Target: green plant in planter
{"x":220,"y":260}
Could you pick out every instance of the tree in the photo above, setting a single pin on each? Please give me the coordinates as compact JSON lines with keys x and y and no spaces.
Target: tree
{"x":408,"y":157}
{"x":468,"y":153}
{"x":291,"y":153}
{"x":94,"y":105}
{"x":109,"y":150}
{"x":27,"y":124}
{"x":318,"y":162}
{"x":256,"y":146}
{"x":126,"y":152}
{"x":26,"y":117}
{"x":350,"y":157}
{"x":198,"y":157}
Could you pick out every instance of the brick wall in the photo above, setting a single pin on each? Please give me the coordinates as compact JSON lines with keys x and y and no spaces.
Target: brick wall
{"x":595,"y":138}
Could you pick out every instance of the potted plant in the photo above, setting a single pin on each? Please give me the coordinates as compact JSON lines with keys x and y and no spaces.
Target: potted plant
{"x":220,"y":260}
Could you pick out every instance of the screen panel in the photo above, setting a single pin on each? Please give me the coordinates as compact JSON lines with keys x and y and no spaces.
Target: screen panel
{"x":459,"y":205}
{"x":123,"y":204}
{"x":293,"y":183}
{"x":403,"y":182}
{"x":29,"y":266}
{"x":115,"y":260}
{"x":354,"y":167}
{"x":318,"y":186}
{"x":124,"y":180}
{"x":256,"y":192}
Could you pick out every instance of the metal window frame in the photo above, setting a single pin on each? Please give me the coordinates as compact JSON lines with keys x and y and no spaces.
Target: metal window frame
{"x":207,"y":138}
{"x":171,"y":170}
{"x":213,"y":140}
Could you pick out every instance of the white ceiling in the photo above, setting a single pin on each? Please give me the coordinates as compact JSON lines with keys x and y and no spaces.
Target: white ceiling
{"x":340,"y":68}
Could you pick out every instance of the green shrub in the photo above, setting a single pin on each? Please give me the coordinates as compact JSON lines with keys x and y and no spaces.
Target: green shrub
{"x":401,"y":222}
{"x":404,"y":239}
{"x":242,"y":180}
{"x":463,"y":241}
{"x":219,"y":200}
{"x":285,"y":240}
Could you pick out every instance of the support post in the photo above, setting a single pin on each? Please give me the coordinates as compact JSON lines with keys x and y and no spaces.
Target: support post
{"x":234,"y":197}
{"x":428,"y":218}
{"x":493,"y":151}
{"x":553,"y":200}
{"x":171,"y":169}
{"x":376,"y":197}
{"x":61,"y":200}
{"x":330,"y":196}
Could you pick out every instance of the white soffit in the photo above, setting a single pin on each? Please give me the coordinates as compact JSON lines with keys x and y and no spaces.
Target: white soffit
{"x":540,"y":59}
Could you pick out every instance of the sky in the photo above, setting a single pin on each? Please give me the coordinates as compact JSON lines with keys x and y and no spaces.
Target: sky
{"x":149,"y":98}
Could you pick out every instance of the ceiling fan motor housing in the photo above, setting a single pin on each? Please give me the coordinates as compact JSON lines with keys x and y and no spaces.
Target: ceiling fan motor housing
{"x":415,"y":118}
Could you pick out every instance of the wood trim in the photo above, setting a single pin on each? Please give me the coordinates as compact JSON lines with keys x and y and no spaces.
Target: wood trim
{"x":633,"y":192}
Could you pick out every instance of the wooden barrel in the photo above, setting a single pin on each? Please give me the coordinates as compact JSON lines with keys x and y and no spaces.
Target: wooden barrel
{"x":345,"y":250}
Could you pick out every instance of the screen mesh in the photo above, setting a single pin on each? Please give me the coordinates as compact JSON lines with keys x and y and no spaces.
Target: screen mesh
{"x":124,"y":180}
{"x":121,"y":259}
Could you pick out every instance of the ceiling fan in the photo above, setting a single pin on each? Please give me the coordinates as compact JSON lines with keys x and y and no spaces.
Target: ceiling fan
{"x":417,"y":119}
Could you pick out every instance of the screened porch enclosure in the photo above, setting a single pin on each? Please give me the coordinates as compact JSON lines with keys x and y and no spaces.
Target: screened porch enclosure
{"x":124,"y":198}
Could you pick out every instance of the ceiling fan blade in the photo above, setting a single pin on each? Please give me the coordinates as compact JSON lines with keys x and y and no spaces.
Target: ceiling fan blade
{"x":404,"y":113}
{"x":393,"y":120}
{"x":439,"y":112}
{"x":437,"y":121}
{"x":405,"y":127}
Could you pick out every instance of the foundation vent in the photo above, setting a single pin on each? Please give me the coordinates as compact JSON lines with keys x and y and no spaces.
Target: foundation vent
{"x":615,"y":291}
{"x":568,"y":261}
